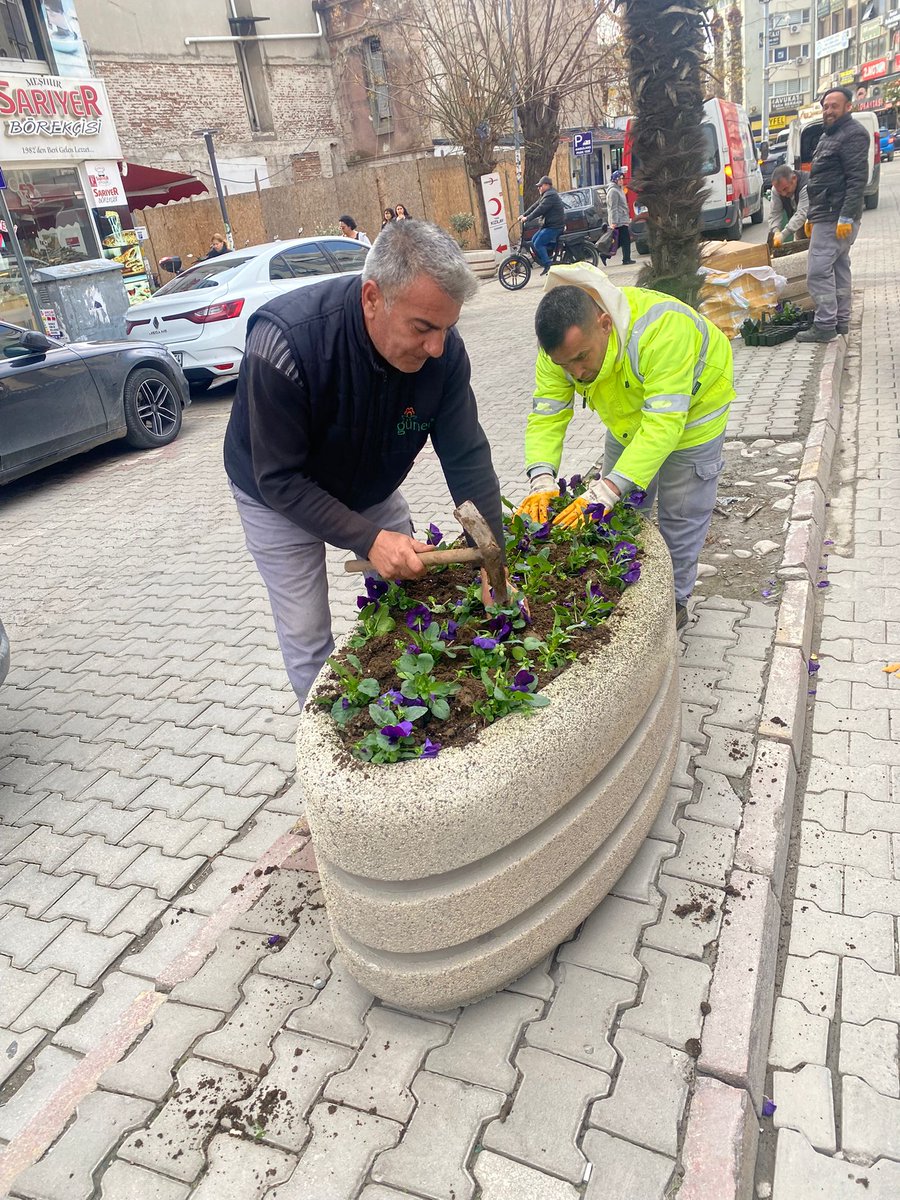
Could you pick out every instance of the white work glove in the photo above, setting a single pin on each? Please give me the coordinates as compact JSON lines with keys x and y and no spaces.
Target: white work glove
{"x":599,"y":492}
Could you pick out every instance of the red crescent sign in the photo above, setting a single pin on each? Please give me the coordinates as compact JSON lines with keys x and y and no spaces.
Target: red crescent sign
{"x":496,"y":211}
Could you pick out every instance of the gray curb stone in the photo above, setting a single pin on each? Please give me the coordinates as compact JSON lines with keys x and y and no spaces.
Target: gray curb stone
{"x":732,"y":1063}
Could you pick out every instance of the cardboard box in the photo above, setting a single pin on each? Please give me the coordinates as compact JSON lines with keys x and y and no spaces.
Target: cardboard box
{"x":729,"y":256}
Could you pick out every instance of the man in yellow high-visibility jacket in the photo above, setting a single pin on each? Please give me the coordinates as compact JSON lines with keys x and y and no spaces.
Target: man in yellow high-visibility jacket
{"x":660,"y":376}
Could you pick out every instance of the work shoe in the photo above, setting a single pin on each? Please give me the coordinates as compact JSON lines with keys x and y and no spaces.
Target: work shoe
{"x":839,"y":328}
{"x":545,"y":270}
{"x":818,"y":333}
{"x":681,"y":616}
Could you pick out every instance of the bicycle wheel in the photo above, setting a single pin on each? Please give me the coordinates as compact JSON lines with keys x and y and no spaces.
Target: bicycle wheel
{"x":514,"y":272}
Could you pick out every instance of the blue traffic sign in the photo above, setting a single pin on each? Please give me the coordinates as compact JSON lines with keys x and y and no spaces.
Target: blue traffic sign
{"x":583,"y":143}
{"x":2,"y":179}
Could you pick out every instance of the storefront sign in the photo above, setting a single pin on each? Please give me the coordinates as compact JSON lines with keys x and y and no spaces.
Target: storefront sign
{"x":792,"y":100}
{"x":846,"y":76}
{"x":838,"y":5}
{"x":106,"y":184}
{"x":494,"y":206}
{"x":45,"y":119}
{"x":870,"y":29}
{"x":833,"y":44}
{"x":781,"y":120}
{"x":873,"y":70}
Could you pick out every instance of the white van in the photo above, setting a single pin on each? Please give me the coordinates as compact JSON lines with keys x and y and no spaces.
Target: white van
{"x":803,"y":137}
{"x":734,"y":182}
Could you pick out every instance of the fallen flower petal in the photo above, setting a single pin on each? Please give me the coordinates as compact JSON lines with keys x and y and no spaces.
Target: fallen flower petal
{"x":768,"y":1107}
{"x":892,"y":669}
{"x":823,"y":583}
{"x":274,"y":940}
{"x":813,"y":667}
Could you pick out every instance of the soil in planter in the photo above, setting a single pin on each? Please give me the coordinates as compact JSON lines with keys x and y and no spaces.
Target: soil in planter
{"x":379,"y":655}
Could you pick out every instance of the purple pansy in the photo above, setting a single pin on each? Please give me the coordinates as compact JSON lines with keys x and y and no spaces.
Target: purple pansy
{"x":401,"y":729}
{"x":523,"y":680}
{"x":500,"y":627}
{"x":376,"y":588}
{"x":624,"y":550}
{"x":434,"y":535}
{"x":448,"y":634}
{"x":633,"y":574}
{"x":636,"y":498}
{"x":394,"y":696}
{"x":561,"y":484}
{"x":575,"y":482}
{"x":419,"y":618}
{"x":412,"y":648}
{"x":485,"y":643}
{"x":598,"y":513}
{"x":430,"y":749}
{"x":543,"y":532}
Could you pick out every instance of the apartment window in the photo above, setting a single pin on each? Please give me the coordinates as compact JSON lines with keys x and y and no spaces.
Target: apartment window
{"x":377,"y":85}
{"x":19,"y":31}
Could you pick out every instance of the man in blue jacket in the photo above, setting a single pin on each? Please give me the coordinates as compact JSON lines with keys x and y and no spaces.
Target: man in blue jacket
{"x":341,"y":385}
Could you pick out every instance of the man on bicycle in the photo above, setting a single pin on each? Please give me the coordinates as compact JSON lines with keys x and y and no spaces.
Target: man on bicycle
{"x":551,"y":208}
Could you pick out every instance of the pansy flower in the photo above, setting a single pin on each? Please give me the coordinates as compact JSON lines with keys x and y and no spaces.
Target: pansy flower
{"x":395,"y":732}
{"x":433,"y":535}
{"x":485,"y":643}
{"x":419,"y":618}
{"x":430,"y":749}
{"x":376,"y":588}
{"x":448,"y":634}
{"x":523,"y":680}
{"x":633,"y":574}
{"x":500,"y":627}
{"x":636,"y":498}
{"x":561,"y":484}
{"x":624,"y":550}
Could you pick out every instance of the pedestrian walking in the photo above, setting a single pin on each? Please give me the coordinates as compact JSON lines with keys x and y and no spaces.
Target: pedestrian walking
{"x":552,"y":213}
{"x":789,"y":205}
{"x":340,"y":387}
{"x":388,"y":215}
{"x":660,"y":377}
{"x":350,"y":230}
{"x":402,"y":212}
{"x":837,"y":179}
{"x":619,"y":217}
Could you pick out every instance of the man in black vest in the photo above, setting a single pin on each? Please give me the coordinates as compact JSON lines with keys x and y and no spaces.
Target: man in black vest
{"x":341,"y":385}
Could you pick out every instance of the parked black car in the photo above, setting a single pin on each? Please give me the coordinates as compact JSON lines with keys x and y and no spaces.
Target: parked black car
{"x":57,"y":400}
{"x":585,"y":212}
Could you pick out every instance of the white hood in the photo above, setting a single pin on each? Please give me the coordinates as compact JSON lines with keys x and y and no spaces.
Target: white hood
{"x":604,"y":294}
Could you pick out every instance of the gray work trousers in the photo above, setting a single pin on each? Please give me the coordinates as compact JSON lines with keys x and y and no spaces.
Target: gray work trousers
{"x":291,"y":562}
{"x":685,"y":490}
{"x":828,"y":275}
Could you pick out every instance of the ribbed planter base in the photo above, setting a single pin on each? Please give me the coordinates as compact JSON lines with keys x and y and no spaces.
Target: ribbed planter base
{"x":445,"y":879}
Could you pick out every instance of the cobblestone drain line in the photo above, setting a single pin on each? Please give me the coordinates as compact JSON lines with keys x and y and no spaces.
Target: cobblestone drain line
{"x":120,"y":794}
{"x":833,"y":1057}
{"x":720,"y":1147}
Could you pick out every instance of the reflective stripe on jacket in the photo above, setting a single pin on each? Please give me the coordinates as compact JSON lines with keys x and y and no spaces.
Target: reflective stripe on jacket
{"x":670,"y":389}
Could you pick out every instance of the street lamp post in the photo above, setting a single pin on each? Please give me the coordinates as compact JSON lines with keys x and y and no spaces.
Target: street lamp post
{"x":207,"y":135}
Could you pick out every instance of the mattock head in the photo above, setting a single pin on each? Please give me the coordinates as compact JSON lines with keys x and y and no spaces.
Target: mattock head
{"x":492,"y":557}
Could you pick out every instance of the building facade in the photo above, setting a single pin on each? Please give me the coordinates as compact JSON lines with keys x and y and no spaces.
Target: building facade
{"x":858,"y":46}
{"x":778,"y":61}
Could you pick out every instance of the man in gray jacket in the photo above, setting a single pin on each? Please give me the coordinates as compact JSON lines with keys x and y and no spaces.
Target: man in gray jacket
{"x":619,"y":216}
{"x":789,"y":204}
{"x":837,"y":180}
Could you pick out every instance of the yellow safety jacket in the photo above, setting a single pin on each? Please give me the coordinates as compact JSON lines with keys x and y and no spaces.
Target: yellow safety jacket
{"x":666,"y":383}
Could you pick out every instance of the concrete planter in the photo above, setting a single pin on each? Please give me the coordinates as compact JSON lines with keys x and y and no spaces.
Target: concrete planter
{"x":447,"y":878}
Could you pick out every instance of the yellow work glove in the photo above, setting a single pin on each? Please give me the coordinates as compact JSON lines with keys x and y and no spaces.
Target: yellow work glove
{"x":807,"y":228}
{"x":893,"y":669}
{"x":537,"y":504}
{"x":776,"y":239}
{"x":599,"y":492}
{"x":843,"y":229}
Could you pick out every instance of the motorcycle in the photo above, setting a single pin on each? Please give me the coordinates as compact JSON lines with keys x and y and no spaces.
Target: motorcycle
{"x":515,"y":270}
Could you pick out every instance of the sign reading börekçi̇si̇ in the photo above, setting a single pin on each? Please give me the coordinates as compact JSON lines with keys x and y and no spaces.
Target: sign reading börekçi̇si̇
{"x":45,"y":118}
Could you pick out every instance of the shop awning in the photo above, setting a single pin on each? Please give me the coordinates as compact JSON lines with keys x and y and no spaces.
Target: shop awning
{"x":146,"y":187}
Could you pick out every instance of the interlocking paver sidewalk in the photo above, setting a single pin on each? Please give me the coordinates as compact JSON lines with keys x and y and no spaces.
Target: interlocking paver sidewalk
{"x":147,"y":753}
{"x":834,"y":1050}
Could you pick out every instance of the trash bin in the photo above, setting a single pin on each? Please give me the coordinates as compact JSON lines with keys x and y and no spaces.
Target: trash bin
{"x":82,"y":301}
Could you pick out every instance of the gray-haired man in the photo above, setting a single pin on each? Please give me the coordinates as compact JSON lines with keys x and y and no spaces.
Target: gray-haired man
{"x":341,"y":385}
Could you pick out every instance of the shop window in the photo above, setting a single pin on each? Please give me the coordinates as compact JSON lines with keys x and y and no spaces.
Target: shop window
{"x":19,"y":31}
{"x":51,"y":216}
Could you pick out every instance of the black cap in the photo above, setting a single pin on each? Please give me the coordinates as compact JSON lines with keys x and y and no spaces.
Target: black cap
{"x":845,"y":92}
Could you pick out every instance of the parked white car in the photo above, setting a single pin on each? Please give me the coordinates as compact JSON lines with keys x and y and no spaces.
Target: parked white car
{"x":201,"y":315}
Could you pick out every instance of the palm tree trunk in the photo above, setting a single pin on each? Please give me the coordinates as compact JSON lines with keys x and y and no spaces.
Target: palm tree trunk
{"x":666,"y":49}
{"x":736,"y":54}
